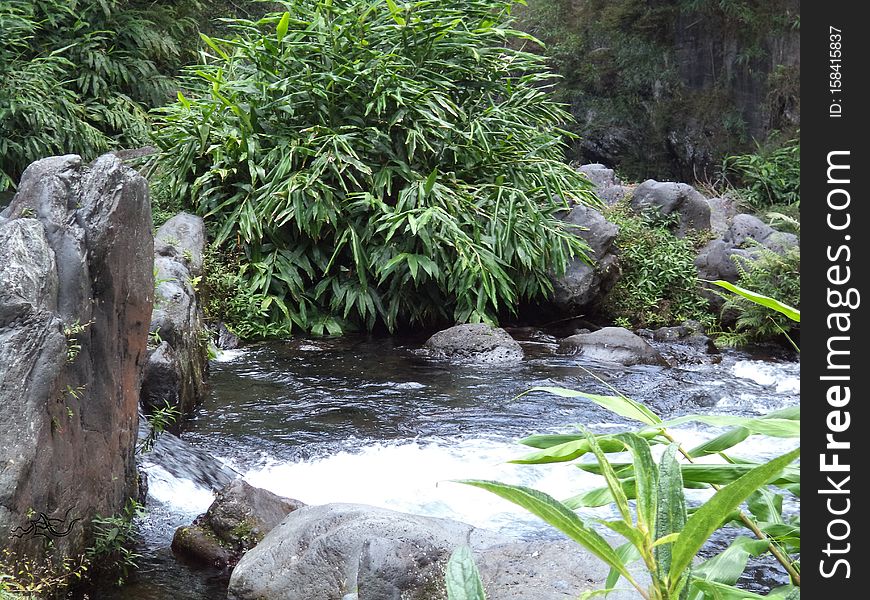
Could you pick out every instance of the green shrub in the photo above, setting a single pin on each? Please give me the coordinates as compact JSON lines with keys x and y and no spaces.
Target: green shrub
{"x":658,"y":286}
{"x":769,"y":176}
{"x":111,"y":553}
{"x":76,"y":75}
{"x":376,"y":163}
{"x":773,"y":275}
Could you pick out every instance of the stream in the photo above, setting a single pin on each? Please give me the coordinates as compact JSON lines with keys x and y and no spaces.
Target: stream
{"x":373,"y":420}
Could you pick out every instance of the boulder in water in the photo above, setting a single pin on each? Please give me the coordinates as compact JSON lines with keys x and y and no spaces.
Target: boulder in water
{"x":240,"y":516}
{"x":615,"y":345}
{"x":338,"y":551}
{"x":477,"y":343}
{"x":178,"y":358}
{"x":76,"y":292}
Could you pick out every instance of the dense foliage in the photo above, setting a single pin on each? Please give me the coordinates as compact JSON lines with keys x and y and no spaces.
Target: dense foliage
{"x":78,"y":76}
{"x":667,"y":88}
{"x":377,"y":163}
{"x":771,"y":274}
{"x":659,"y":282}
{"x":769,"y":176}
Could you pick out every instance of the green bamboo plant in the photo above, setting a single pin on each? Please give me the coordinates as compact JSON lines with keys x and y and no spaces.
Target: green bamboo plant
{"x":376,"y":162}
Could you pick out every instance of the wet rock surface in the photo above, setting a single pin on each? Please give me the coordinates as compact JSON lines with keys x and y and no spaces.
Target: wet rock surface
{"x":613,"y":345}
{"x":367,"y":553}
{"x":178,"y":356}
{"x":76,"y":291}
{"x":475,"y":343}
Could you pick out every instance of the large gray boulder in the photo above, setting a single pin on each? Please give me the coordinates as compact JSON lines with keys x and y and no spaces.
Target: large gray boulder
{"x":475,"y":343}
{"x":238,"y":519}
{"x":178,"y":356}
{"x":76,"y":290}
{"x":614,"y":345}
{"x":350,"y":551}
{"x":584,"y":285}
{"x":680,"y":199}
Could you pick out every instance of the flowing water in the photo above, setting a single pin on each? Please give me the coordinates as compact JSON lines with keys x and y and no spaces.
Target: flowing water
{"x":375,"y":421}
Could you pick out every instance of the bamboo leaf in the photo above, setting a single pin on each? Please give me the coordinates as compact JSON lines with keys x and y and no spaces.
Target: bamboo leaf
{"x":283,"y":25}
{"x":766,"y":301}
{"x":559,"y":516}
{"x":671,"y":514}
{"x":709,"y":516}
{"x":620,"y":405}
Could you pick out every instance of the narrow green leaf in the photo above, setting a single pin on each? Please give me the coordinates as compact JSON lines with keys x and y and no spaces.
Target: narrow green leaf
{"x":613,"y":482}
{"x":213,"y":45}
{"x":557,"y":515}
{"x":430,"y":181}
{"x":727,"y":566}
{"x":709,"y":516}
{"x":783,"y":428}
{"x":671,"y":514}
{"x":766,"y":301}
{"x":627,"y":554}
{"x":624,"y":407}
{"x":646,"y":479}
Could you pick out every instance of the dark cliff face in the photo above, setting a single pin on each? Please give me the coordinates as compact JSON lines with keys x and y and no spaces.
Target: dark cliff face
{"x":76,"y":292}
{"x":666,"y":88}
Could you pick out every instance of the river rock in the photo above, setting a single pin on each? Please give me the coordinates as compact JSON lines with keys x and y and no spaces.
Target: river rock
{"x":680,"y":199}
{"x":582,"y":284}
{"x":615,"y":345}
{"x":477,"y":343}
{"x":738,"y":247}
{"x":76,"y":291}
{"x":238,"y":519}
{"x":606,"y":185}
{"x":685,"y":344}
{"x":339,"y":551}
{"x":749,"y":227}
{"x":722,"y":211}
{"x":178,"y":355}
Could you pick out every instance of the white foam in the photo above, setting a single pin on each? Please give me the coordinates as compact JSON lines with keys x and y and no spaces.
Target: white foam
{"x":229,"y":355}
{"x":783,"y":379}
{"x":183,"y":495}
{"x":419,"y":478}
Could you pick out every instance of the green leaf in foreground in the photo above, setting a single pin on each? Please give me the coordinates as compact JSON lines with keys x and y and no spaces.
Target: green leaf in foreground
{"x":624,"y":407}
{"x":559,"y":516}
{"x":709,"y":516}
{"x":766,"y":301}
{"x":462,"y":576}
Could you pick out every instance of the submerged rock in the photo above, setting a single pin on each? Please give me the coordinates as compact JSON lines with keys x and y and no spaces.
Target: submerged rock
{"x":238,"y":519}
{"x":477,"y":343}
{"x":76,"y":291}
{"x":614,"y":344}
{"x":340,"y":551}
